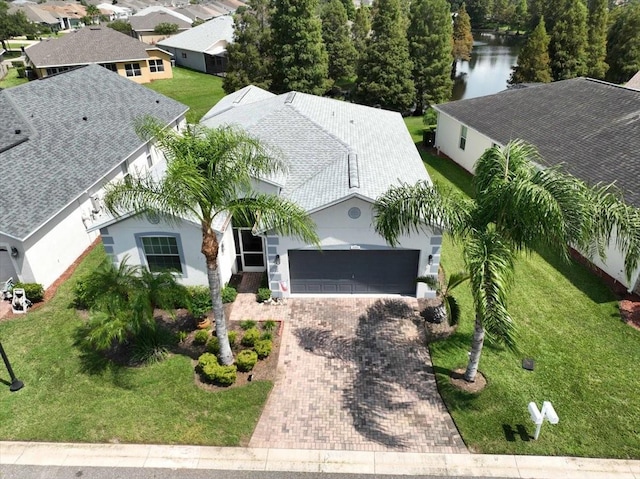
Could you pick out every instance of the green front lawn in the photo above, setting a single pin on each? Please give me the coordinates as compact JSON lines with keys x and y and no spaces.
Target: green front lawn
{"x":12,"y":79}
{"x":198,"y":91}
{"x":586,"y":359}
{"x":68,"y":397}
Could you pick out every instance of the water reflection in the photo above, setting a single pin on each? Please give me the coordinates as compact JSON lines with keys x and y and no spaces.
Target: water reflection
{"x":489,"y":68}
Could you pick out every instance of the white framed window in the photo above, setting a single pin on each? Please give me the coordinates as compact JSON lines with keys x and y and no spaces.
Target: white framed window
{"x":156,"y":66}
{"x":162,"y":252}
{"x":463,"y":137}
{"x":132,"y":69}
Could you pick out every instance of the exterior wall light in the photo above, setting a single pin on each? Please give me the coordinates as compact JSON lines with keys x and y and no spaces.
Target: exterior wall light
{"x":430,"y":259}
{"x":14,"y":252}
{"x":277,"y":260}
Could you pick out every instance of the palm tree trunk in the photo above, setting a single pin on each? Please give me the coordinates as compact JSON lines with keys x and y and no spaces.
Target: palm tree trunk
{"x":210,"y":252}
{"x":476,"y":351}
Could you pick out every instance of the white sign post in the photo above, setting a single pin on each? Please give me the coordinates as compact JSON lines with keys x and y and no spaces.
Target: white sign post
{"x":538,"y":416}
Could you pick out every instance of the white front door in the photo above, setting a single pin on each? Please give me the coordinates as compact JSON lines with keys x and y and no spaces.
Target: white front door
{"x":249,"y":250}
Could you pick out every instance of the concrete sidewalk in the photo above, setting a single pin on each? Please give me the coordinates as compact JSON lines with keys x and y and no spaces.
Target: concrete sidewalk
{"x":304,"y":460}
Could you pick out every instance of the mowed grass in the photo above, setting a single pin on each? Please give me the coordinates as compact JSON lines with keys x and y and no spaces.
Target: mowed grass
{"x":67,"y":397}
{"x":11,"y":79}
{"x":198,"y":91}
{"x":586,"y":358}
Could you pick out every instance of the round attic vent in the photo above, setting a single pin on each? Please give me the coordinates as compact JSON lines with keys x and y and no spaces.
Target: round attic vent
{"x":354,"y":213}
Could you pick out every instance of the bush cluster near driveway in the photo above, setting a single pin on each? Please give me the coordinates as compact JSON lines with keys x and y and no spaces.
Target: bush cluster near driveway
{"x":198,"y":91}
{"x":585,"y":358}
{"x":72,"y":397}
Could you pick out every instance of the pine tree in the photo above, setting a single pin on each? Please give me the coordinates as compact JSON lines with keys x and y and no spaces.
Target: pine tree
{"x":429,"y":36}
{"x":360,"y":30}
{"x":462,"y":37}
{"x":337,"y":39}
{"x":479,"y":11}
{"x":567,"y":47}
{"x":597,"y":39}
{"x":350,"y":8}
{"x":249,"y":59}
{"x":384,"y":74}
{"x":300,"y":58}
{"x":533,"y":60}
{"x":623,"y":44}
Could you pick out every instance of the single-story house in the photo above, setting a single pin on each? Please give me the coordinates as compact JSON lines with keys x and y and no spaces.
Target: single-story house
{"x":341,"y":157}
{"x":168,"y":10}
{"x":143,"y":26}
{"x":201,"y":12}
{"x":68,"y":14}
{"x":104,"y":46}
{"x":591,"y":127}
{"x":115,"y":12}
{"x":203,"y":48}
{"x":38,"y":16}
{"x":61,"y":140}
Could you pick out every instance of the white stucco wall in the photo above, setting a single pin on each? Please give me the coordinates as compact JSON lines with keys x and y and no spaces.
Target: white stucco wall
{"x":120,"y":241}
{"x":338,"y":231}
{"x":194,"y":60}
{"x":448,"y":142}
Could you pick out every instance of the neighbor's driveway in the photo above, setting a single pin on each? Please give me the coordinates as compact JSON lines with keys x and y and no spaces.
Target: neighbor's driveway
{"x":354,"y":375}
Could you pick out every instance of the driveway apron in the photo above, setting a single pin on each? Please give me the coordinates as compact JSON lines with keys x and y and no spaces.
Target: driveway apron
{"x":354,"y":374}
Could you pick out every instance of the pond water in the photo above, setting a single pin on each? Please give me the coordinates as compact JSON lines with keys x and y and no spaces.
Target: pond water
{"x":489,"y":68}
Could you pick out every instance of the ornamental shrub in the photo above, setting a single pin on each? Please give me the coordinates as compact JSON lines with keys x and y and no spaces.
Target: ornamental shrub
{"x":246,"y":360}
{"x":207,"y":359}
{"x":199,"y":301}
{"x":229,"y":294}
{"x":225,"y":375}
{"x":213,"y":345}
{"x":34,"y":291}
{"x":248,"y":324}
{"x":269,"y":326}
{"x":233,"y":337}
{"x":201,"y":336}
{"x":263,"y":295}
{"x":250,"y":337}
{"x":263,"y":348}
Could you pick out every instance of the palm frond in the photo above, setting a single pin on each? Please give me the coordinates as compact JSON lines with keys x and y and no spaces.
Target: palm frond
{"x":410,"y":209}
{"x":273,"y":213}
{"x":490,"y":261}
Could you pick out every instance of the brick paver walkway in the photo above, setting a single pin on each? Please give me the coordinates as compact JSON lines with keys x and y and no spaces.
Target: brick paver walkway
{"x":354,"y":374}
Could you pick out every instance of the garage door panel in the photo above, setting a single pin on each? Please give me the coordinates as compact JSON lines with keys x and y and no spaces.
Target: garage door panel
{"x":348,"y":272}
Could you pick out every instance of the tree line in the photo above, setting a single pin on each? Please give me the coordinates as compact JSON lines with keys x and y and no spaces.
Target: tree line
{"x":575,"y":38}
{"x":395,"y":54}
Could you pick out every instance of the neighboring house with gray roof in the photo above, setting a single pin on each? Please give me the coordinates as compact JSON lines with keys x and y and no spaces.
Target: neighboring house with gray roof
{"x":203,"y":48}
{"x":590,"y":127}
{"x":341,"y":157}
{"x":104,"y":46}
{"x":61,"y":140}
{"x":37,"y":15}
{"x":144,"y":26}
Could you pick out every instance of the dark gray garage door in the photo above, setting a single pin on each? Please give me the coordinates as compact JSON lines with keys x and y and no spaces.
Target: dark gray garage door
{"x":354,"y":271}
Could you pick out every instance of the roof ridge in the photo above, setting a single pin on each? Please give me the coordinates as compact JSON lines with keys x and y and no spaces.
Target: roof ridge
{"x":615,"y":85}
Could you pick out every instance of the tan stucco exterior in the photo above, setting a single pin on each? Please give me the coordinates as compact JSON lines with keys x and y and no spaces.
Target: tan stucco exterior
{"x":151,"y":38}
{"x":146,"y":75}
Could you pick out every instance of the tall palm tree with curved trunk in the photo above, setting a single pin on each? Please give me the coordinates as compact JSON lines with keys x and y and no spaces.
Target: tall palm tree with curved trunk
{"x":518,"y":206}
{"x":210,"y":172}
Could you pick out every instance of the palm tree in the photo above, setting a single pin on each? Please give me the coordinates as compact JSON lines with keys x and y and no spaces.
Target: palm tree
{"x":210,"y":172}
{"x":518,"y":206}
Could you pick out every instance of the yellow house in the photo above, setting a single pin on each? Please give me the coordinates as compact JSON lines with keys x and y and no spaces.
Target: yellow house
{"x":104,"y":46}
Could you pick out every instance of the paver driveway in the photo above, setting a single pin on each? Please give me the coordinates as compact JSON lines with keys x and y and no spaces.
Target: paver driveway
{"x":355,"y":375}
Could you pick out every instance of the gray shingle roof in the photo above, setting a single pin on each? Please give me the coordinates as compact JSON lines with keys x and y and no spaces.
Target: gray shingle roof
{"x":318,"y":136}
{"x":591,"y":127}
{"x":89,"y":45}
{"x":64,"y":154}
{"x":152,"y":20}
{"x":202,"y":37}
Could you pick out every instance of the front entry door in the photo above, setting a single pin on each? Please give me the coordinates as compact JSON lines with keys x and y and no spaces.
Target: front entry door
{"x":249,"y":250}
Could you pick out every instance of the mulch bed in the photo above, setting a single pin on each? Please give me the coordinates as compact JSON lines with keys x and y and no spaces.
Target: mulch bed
{"x":264,"y":370}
